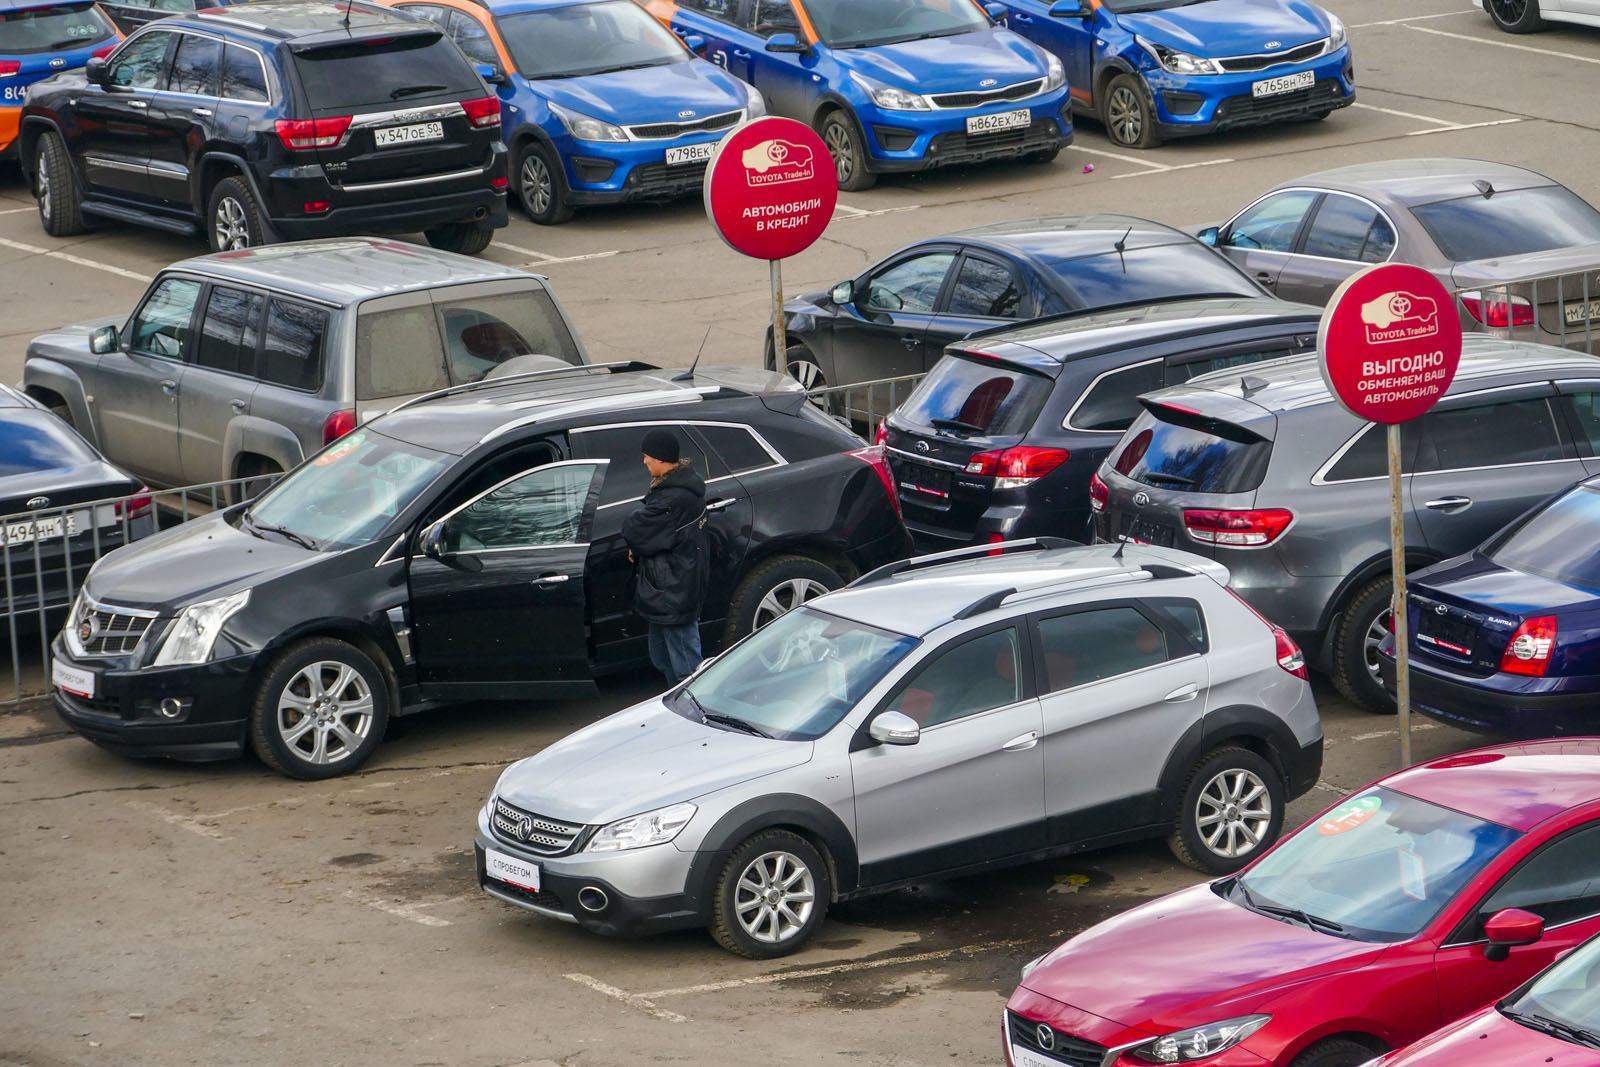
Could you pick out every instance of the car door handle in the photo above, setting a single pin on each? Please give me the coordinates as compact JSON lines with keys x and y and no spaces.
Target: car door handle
{"x":551,"y":579}
{"x":1022,"y":742}
{"x":1449,"y":503}
{"x":169,"y":387}
{"x":203,"y":112}
{"x":138,"y":105}
{"x":741,"y":53}
{"x":1263,"y":276}
{"x":1182,"y":693}
{"x":1022,"y":18}
{"x":237,"y":405}
{"x":718,"y":505}
{"x":910,"y":341}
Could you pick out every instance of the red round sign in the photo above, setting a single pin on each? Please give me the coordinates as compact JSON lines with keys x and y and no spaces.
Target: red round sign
{"x":770,"y":188}
{"x":1390,"y":342}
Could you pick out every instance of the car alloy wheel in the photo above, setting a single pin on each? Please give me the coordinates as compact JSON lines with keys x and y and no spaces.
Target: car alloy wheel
{"x":44,"y":188}
{"x":785,"y":597}
{"x":774,"y":897}
{"x":1370,"y":644}
{"x":843,"y":149}
{"x":1125,"y":115}
{"x":233,"y":228}
{"x":536,"y":181}
{"x":1509,"y":10}
{"x":1233,"y":812}
{"x":323,"y":721}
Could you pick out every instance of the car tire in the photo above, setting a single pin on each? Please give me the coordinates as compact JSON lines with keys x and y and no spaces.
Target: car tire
{"x":64,"y":413}
{"x":849,"y":151}
{"x":1355,"y":647}
{"x":790,"y":869}
{"x":1231,"y":795}
{"x":296,"y":688}
{"x":1128,"y":114}
{"x":1335,"y":1052}
{"x":462,"y":238}
{"x":541,"y":185}
{"x":800,"y":363}
{"x":233,"y":219}
{"x":1515,"y":16}
{"x":56,"y":187}
{"x":773,"y":588}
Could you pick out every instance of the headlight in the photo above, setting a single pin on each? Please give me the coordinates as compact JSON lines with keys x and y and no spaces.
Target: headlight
{"x":1031,"y":966}
{"x":755,"y":106}
{"x":1336,"y":33}
{"x":1196,"y":1043}
{"x":192,"y":636}
{"x":652,"y":828}
{"x":889,"y":98}
{"x":1175,"y":62}
{"x":585,"y":127}
{"x":1058,"y":74}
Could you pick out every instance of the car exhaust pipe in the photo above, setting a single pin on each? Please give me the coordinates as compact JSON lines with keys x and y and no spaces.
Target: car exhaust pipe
{"x":593,"y":898}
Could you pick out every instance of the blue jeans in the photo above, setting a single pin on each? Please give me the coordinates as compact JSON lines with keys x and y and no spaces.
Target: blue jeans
{"x":675,"y":650}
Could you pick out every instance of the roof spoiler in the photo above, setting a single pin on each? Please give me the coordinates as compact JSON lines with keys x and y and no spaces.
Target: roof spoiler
{"x":999,"y":548}
{"x":1181,"y":415}
{"x":584,"y":369}
{"x":359,"y":32}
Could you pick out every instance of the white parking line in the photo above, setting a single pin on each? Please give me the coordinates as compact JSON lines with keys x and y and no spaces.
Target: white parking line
{"x":1174,"y":166}
{"x":17,"y":210}
{"x":1506,"y":44}
{"x":623,"y":995}
{"x":1126,"y":159}
{"x":519,"y":250}
{"x":79,"y":261}
{"x":1464,"y":126}
{"x":1441,"y":123}
{"x":404,"y":911}
{"x":541,"y":258}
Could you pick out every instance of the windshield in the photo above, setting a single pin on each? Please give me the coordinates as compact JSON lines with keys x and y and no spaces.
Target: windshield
{"x":1382,"y":865}
{"x":966,"y":396}
{"x":1568,"y":993}
{"x":52,"y":29}
{"x":859,"y":24}
{"x":348,"y":493}
{"x":796,"y":677}
{"x":569,"y":42}
{"x":1556,"y":542}
{"x":1510,"y":223}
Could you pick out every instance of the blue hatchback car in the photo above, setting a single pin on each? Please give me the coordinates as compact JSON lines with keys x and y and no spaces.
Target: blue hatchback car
{"x":1153,"y":69}
{"x":39,"y":38}
{"x":599,"y":103}
{"x":891,"y":85}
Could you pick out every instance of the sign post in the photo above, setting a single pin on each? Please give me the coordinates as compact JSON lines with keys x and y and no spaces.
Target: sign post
{"x":770,"y":190}
{"x":1390,"y":343}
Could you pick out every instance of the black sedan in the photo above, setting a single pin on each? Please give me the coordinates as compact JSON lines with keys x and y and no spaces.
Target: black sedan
{"x":896,"y":318}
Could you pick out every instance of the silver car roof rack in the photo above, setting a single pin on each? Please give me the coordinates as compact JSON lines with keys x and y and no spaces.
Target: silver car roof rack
{"x":618,"y":367}
{"x":999,"y":548}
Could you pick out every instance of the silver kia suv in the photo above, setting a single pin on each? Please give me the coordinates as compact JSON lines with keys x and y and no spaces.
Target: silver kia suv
{"x":942,"y":715}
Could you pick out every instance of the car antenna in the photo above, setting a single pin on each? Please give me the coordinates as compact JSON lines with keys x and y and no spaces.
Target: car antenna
{"x":1121,"y":246}
{"x":1117,"y":555}
{"x":1249,"y":385}
{"x":688,"y":375}
{"x":1484,"y":187}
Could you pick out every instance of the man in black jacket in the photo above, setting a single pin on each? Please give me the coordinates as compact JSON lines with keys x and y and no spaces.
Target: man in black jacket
{"x":672,"y":557}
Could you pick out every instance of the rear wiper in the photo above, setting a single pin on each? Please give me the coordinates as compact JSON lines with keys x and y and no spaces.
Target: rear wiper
{"x":1554,"y":1027}
{"x":413,"y":90}
{"x":299,"y":539}
{"x":1311,"y":921}
{"x":956,"y":425}
{"x":1170,"y":479}
{"x":735,"y":722}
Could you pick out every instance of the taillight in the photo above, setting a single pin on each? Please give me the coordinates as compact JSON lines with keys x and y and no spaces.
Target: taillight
{"x":337,"y":425}
{"x":1099,"y":494}
{"x":101,"y":53}
{"x":1016,"y":467}
{"x":301,"y":135}
{"x":1290,"y":658}
{"x":318,"y":207}
{"x":873,"y":456}
{"x":1530,"y":647}
{"x":501,"y":182}
{"x":483,"y":112}
{"x":135,"y":507}
{"x":10,"y":67}
{"x":882,"y":436}
{"x":1497,"y":310}
{"x":1240,"y":529}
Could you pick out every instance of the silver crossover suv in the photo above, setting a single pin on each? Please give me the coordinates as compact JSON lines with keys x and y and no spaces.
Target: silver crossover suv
{"x":942,"y":715}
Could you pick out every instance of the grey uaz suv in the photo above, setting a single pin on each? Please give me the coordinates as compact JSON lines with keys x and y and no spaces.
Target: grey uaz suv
{"x":942,"y":715}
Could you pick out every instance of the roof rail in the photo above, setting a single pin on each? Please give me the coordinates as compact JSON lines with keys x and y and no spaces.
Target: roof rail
{"x":618,"y":367}
{"x":999,"y":548}
{"x":985,"y":603}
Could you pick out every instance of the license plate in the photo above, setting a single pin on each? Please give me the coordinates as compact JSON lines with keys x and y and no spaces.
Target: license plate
{"x":690,"y":153}
{"x":1024,"y":1058}
{"x":1004,"y":120}
{"x":1145,"y":532}
{"x":510,"y":870}
{"x":23,"y":533}
{"x":421,"y":131}
{"x":1286,"y":84}
{"x":926,"y":480}
{"x":1581,"y":312}
{"x":74,"y":680}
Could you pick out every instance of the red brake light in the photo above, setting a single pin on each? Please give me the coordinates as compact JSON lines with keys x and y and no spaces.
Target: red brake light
{"x":483,"y":112}
{"x":1099,"y":494}
{"x":337,"y":425}
{"x":9,"y":67}
{"x":135,"y":507}
{"x":1015,"y":467}
{"x":500,"y":182}
{"x":1495,"y":312}
{"x":1530,"y":647}
{"x":101,"y":53}
{"x":873,"y":456}
{"x":317,"y":207}
{"x":1290,"y":658}
{"x":1240,"y":529}
{"x":882,"y":437}
{"x":302,"y":135}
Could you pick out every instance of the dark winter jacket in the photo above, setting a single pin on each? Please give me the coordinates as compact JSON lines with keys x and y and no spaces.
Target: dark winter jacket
{"x":672,"y":555}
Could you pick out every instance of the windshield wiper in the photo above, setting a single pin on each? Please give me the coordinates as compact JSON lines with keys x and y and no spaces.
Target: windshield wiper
{"x":413,"y":90}
{"x":1313,"y":922}
{"x":733,"y":721}
{"x":956,"y":425}
{"x":693,"y":703}
{"x":1170,"y":479}
{"x":283,"y":531}
{"x":1554,"y":1027}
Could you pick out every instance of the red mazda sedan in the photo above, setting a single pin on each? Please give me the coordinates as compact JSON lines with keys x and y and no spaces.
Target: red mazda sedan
{"x":1408,"y":905}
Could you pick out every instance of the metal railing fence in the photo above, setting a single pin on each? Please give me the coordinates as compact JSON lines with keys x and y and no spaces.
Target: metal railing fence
{"x":1552,"y":309}
{"x":864,"y":404}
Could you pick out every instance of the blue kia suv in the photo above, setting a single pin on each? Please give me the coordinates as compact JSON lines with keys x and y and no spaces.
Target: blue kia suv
{"x":39,"y":38}
{"x":891,"y":85}
{"x":1153,"y":69}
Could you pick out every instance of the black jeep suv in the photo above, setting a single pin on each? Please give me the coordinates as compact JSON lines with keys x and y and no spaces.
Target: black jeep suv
{"x":273,"y":121}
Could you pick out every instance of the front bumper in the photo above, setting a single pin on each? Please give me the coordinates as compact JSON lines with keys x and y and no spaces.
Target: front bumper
{"x":1501,"y":704}
{"x":903,"y":141}
{"x":621,"y":172}
{"x":1187,"y":105}
{"x":400,"y":209}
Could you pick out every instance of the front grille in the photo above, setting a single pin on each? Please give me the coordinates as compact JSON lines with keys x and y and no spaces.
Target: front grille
{"x":1248,"y":110}
{"x":958,"y":147}
{"x":977,"y":98}
{"x":658,"y":131}
{"x":1245,"y":64}
{"x":1064,"y":1048}
{"x":657,"y":181}
{"x":115,"y":633}
{"x":536,"y":833}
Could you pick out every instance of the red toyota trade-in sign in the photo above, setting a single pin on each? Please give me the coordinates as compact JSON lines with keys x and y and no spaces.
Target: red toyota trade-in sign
{"x":770,"y":188}
{"x":1390,"y":342}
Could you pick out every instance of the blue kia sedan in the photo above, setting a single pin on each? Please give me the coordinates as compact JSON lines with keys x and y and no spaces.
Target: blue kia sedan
{"x":1154,"y":69}
{"x":1506,"y":639}
{"x":891,"y":85}
{"x":599,"y":104}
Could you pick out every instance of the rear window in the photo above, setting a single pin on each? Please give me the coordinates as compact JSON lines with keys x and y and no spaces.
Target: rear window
{"x":1150,"y":274}
{"x":37,"y":441}
{"x":1510,"y":223}
{"x":1556,"y":542}
{"x":975,"y":397}
{"x":1189,"y":460}
{"x":393,"y":71}
{"x":52,"y":29}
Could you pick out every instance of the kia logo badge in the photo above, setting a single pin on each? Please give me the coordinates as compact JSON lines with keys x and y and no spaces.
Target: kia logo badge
{"x":58,"y":63}
{"x":1046,"y":1036}
{"x":1274,"y":44}
{"x":686,"y":113}
{"x":986,"y":83}
{"x":35,"y":503}
{"x":924,"y":447}
{"x":1141,"y":499}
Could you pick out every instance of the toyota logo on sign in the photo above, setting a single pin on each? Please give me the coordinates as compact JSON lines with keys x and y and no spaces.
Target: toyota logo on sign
{"x":1141,"y":499}
{"x":1046,"y":1036}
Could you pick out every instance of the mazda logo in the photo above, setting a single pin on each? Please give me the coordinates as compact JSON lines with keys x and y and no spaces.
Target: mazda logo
{"x":1141,"y":499}
{"x":686,"y":113}
{"x":37,"y":502}
{"x":1046,"y":1036}
{"x":924,"y":447}
{"x":1274,"y":44}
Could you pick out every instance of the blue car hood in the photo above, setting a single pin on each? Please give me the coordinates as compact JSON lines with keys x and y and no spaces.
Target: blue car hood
{"x":1230,"y":27}
{"x":948,"y":64}
{"x":649,"y":94}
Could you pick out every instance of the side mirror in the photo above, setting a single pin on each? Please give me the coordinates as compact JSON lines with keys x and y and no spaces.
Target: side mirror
{"x":103,"y":340}
{"x":695,"y":43}
{"x":843,"y":293}
{"x":1209,"y":236}
{"x":893,"y":728}
{"x":492,"y":74}
{"x":95,"y":70}
{"x":1509,"y":928}
{"x":787,"y":42}
{"x":433,"y":541}
{"x":997,"y":12}
{"x":1068,"y":9}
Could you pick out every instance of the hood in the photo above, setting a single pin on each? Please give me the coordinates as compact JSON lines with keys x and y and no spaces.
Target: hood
{"x":649,"y":94}
{"x":1574,"y":259}
{"x":1476,"y":582}
{"x":637,"y":760}
{"x":1187,"y":959}
{"x":73,"y":339}
{"x":1230,"y":27}
{"x":1486,"y":1038}
{"x":949,"y":64}
{"x":199,"y":560}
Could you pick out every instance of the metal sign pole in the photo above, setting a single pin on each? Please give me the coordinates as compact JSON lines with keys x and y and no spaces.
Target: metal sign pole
{"x":1398,"y":617}
{"x":780,"y":340}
